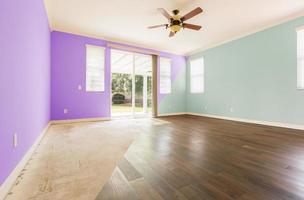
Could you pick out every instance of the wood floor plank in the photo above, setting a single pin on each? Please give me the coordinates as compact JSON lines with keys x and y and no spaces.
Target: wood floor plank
{"x":159,"y":184}
{"x":117,"y":188}
{"x":189,"y":158}
{"x":194,"y":193}
{"x":144,"y":190}
{"x":128,"y":170}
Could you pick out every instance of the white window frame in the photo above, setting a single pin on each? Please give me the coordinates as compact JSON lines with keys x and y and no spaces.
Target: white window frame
{"x":300,"y":58}
{"x":200,"y":75}
{"x":165,"y":82}
{"x":89,"y":86}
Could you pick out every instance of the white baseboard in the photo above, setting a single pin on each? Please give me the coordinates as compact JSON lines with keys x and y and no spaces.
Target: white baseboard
{"x":277,"y":124}
{"x":11,"y":179}
{"x":69,"y":121}
{"x":171,"y":114}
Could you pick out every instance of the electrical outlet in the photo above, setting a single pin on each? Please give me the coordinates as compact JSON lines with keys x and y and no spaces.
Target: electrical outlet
{"x":15,"y":140}
{"x":79,"y":87}
{"x":231,"y":109}
{"x":205,"y":107}
{"x":65,"y":111}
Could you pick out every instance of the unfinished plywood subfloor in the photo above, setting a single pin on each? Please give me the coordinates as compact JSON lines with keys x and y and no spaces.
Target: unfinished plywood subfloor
{"x":74,"y":161}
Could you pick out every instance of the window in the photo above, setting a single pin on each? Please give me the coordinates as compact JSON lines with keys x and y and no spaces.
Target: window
{"x":95,"y":63}
{"x":300,"y":56}
{"x":165,"y":76}
{"x":197,"y":75}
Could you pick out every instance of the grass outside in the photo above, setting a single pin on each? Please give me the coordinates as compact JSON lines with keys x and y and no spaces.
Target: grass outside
{"x":119,"y":108}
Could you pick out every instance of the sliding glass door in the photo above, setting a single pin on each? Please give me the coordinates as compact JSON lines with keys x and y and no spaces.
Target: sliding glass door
{"x":143,"y":78}
{"x":131,"y":84}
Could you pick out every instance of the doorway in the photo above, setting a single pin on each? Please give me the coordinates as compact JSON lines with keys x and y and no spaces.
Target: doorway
{"x":131,"y":83}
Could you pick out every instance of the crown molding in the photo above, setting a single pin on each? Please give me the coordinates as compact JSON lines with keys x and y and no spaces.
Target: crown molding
{"x":120,"y":42}
{"x":242,"y":35}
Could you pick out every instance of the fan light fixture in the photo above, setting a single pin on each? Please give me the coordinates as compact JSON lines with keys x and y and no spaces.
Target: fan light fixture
{"x":175,"y":28}
{"x":176,"y":22}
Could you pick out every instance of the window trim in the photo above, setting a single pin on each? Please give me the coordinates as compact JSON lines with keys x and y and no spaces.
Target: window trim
{"x":299,"y":86}
{"x":300,"y":28}
{"x":104,"y":68}
{"x":170,"y":75}
{"x":203,"y":75}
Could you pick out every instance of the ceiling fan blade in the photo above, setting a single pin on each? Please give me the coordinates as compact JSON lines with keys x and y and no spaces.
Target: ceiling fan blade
{"x":171,"y":34}
{"x":191,"y":14}
{"x":164,"y":13}
{"x":192,"y":26}
{"x":157,"y":26}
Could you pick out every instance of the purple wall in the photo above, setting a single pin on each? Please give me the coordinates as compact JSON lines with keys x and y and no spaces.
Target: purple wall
{"x":68,"y":71}
{"x":24,"y":78}
{"x":29,"y":87}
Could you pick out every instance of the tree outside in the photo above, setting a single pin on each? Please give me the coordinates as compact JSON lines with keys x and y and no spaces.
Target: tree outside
{"x":122,"y":85}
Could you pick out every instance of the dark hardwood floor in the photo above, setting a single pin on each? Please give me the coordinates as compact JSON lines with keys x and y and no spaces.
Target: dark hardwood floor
{"x":189,"y":158}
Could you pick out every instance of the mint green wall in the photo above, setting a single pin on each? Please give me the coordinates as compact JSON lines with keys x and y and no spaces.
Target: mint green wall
{"x":176,"y":101}
{"x":255,"y":76}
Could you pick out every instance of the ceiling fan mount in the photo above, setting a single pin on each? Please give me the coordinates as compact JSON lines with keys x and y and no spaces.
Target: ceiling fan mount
{"x":175,"y":12}
{"x":176,"y":22}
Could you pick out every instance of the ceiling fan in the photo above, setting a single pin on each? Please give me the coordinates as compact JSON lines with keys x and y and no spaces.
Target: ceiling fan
{"x":176,"y":22}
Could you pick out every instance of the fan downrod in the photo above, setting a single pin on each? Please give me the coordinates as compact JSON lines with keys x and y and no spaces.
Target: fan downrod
{"x":175,"y":12}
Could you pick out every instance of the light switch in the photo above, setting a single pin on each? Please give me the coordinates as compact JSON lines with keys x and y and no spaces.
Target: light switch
{"x":231,"y":109}
{"x":15,"y":140}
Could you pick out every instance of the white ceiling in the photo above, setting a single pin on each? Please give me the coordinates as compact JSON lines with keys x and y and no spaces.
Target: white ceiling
{"x":127,"y":20}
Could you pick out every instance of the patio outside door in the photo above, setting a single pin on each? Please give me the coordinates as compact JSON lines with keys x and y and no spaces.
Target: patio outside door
{"x":131,"y":76}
